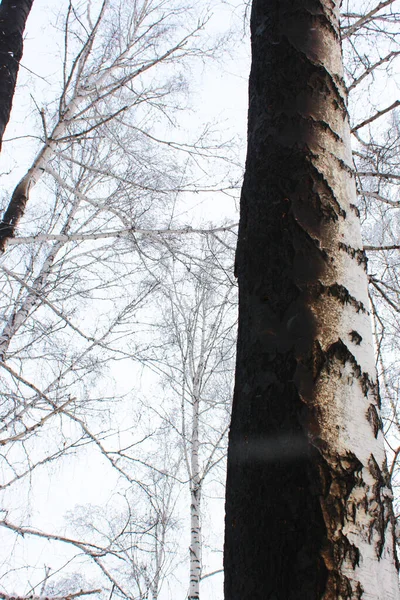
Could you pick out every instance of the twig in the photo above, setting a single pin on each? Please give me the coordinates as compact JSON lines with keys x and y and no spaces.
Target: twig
{"x":353,"y":28}
{"x":376,"y":116}
{"x":377,"y":248}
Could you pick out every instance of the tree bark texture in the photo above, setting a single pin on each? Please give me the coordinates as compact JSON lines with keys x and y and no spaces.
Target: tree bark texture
{"x":309,"y":504}
{"x":13,"y":16}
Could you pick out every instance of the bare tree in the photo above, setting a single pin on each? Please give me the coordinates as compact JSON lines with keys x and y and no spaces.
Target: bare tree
{"x":194,"y":357}
{"x":104,"y":81}
{"x":88,"y":231}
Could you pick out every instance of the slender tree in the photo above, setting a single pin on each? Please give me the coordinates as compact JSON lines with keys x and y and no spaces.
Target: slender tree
{"x":309,"y":504}
{"x":13,"y":16}
{"x":194,"y":356}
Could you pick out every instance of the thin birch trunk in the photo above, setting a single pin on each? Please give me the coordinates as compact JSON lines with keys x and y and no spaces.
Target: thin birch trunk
{"x":309,"y":505}
{"x":156,"y":579}
{"x":195,"y":495}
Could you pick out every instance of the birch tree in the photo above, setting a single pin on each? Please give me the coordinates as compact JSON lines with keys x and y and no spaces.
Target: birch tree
{"x":309,"y":504}
{"x":100,"y":74}
{"x":194,"y":357}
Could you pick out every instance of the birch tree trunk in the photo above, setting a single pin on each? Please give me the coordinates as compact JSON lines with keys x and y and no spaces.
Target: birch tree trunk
{"x":195,"y":540}
{"x":309,"y":504}
{"x":195,"y":489}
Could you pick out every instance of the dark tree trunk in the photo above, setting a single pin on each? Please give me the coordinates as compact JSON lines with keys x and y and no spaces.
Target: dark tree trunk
{"x":13,"y":16}
{"x":308,"y":501}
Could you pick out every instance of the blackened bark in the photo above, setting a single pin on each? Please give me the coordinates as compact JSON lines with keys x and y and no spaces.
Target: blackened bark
{"x":274,"y":523}
{"x":13,"y":16}
{"x":291,"y":476}
{"x":13,"y":213}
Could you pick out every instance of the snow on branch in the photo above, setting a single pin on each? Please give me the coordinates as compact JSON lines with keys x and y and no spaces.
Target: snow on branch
{"x":4,"y":596}
{"x":73,"y":237}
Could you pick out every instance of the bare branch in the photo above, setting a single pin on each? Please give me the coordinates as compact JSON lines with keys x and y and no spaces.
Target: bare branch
{"x":73,"y":237}
{"x":211,"y":574}
{"x":378,"y":248}
{"x":71,"y":596}
{"x":372,"y":67}
{"x":348,"y":31}
{"x":376,"y":116}
{"x":368,"y":194}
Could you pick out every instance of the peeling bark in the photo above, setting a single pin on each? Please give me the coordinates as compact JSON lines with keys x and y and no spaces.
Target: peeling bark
{"x":308,"y":508}
{"x":13,"y":16}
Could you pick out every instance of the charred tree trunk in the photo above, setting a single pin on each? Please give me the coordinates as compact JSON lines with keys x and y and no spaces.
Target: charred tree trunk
{"x":309,"y":505}
{"x":13,"y":16}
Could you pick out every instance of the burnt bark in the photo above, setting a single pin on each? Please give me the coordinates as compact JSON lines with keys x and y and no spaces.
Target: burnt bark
{"x":13,"y":16}
{"x":291,"y":501}
{"x":13,"y":213}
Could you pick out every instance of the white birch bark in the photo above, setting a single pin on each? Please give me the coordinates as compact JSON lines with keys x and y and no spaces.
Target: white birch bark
{"x":195,"y":494}
{"x":360,"y":524}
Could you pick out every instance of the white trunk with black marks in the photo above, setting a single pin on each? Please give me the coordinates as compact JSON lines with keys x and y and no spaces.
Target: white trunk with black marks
{"x":32,"y":298}
{"x":306,"y":450}
{"x":345,"y":396}
{"x":195,"y":494}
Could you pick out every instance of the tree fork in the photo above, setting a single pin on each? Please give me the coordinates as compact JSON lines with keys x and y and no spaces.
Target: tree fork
{"x":309,"y":505}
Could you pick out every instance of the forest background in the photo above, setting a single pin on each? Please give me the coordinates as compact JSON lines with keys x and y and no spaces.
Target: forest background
{"x":118,"y":301}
